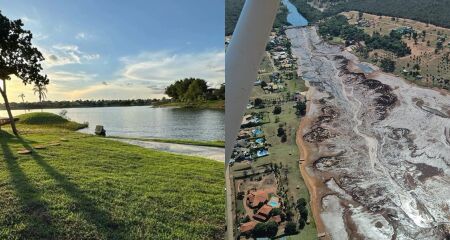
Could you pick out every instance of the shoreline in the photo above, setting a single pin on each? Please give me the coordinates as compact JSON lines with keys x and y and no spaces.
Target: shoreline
{"x":310,"y":181}
{"x":207,"y":152}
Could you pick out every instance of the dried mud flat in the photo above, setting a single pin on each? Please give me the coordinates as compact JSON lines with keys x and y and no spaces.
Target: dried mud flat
{"x":376,"y":148}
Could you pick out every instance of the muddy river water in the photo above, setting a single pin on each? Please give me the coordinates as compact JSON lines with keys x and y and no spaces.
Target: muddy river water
{"x":377,"y":147}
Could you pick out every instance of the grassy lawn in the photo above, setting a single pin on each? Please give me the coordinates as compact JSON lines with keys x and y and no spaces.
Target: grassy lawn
{"x":94,"y":188}
{"x":213,"y":143}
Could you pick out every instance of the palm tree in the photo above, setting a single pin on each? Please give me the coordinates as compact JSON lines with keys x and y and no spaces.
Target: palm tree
{"x":23,"y":97}
{"x":23,"y":100}
{"x":41,"y":90}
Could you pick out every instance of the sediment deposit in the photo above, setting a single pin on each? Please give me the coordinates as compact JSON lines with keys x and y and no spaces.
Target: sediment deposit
{"x":377,"y":147}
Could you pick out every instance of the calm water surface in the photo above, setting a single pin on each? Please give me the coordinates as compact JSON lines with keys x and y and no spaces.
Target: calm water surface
{"x":294,"y":17}
{"x":145,"y":121}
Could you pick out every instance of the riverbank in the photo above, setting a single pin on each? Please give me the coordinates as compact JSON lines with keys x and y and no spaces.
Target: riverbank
{"x":212,"y":143}
{"x":74,"y":185}
{"x":215,"y":104}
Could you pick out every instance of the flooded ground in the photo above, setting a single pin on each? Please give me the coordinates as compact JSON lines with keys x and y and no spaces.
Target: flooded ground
{"x":376,"y":147}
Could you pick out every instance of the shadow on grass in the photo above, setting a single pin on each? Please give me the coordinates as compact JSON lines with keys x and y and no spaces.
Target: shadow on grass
{"x":84,"y":205}
{"x":33,"y":209}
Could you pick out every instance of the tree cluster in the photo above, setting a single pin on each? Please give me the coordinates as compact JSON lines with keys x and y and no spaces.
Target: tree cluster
{"x":267,"y":229}
{"x":194,"y":90}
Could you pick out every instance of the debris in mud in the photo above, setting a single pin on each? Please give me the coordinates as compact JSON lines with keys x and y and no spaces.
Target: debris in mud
{"x":385,"y":100}
{"x":330,"y":111}
{"x":447,"y":135}
{"x":427,"y":171}
{"x":318,"y":134}
{"x":399,"y":133}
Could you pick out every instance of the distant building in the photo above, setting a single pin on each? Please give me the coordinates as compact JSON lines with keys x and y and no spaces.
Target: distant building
{"x":255,"y":199}
{"x":247,"y":227}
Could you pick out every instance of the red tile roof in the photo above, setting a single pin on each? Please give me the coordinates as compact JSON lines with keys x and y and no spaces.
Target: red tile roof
{"x":265,"y":210}
{"x":277,"y":218}
{"x":248,"y":226}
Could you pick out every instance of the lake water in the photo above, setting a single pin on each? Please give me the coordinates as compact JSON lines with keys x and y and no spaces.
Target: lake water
{"x":294,"y":17}
{"x":145,"y":121}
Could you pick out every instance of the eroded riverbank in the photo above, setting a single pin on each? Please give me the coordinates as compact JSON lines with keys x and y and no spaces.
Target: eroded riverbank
{"x":375,"y":147}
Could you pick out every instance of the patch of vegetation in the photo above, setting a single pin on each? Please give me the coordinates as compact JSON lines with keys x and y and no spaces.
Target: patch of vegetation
{"x":95,"y":188}
{"x":267,"y":229}
{"x":310,"y":13}
{"x":193,"y":92}
{"x":387,"y":65}
{"x":45,"y":119}
{"x":233,"y":9}
{"x":434,"y":12}
{"x":81,"y":103}
{"x":338,"y":26}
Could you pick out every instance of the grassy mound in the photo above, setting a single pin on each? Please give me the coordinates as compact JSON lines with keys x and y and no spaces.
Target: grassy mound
{"x":49,"y":119}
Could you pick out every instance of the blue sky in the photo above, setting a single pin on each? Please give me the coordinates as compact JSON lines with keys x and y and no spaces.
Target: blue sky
{"x":111,"y":49}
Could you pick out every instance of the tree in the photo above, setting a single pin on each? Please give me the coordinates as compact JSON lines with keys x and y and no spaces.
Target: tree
{"x":192,"y":89}
{"x":41,"y":90}
{"x":300,"y":108}
{"x":275,"y":212}
{"x":303,"y":213}
{"x":258,"y":102}
{"x":268,"y":229}
{"x":277,"y":110}
{"x":290,"y":229}
{"x":23,"y":97}
{"x":301,"y":223}
{"x":18,"y":58}
{"x":387,"y":65}
{"x":301,"y":203}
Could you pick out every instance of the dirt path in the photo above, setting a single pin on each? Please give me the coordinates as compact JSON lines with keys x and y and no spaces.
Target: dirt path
{"x":213,"y":153}
{"x":313,"y":184}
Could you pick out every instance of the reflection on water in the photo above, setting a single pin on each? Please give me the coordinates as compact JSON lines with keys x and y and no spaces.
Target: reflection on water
{"x":145,"y":121}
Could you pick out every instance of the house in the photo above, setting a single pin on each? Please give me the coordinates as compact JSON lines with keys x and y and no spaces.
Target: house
{"x":255,"y":199}
{"x":276,"y":219}
{"x":247,"y":227}
{"x":263,"y":213}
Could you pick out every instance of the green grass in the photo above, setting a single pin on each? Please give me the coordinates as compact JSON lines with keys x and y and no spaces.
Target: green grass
{"x":94,"y":188}
{"x":213,"y":104}
{"x":45,"y":119}
{"x":212,"y":143}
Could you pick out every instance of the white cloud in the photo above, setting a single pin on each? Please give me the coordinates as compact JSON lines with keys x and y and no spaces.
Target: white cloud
{"x":63,"y":76}
{"x":28,"y":20}
{"x":62,"y":54}
{"x":81,"y":36}
{"x":159,"y":69}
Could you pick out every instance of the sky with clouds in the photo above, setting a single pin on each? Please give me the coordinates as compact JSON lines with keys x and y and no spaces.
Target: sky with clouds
{"x":112,"y":49}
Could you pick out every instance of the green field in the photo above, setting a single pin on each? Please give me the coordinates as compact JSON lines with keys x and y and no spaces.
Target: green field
{"x":94,"y":188}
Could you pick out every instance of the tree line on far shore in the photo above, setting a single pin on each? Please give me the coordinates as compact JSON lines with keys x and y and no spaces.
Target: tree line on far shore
{"x":82,"y":103}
